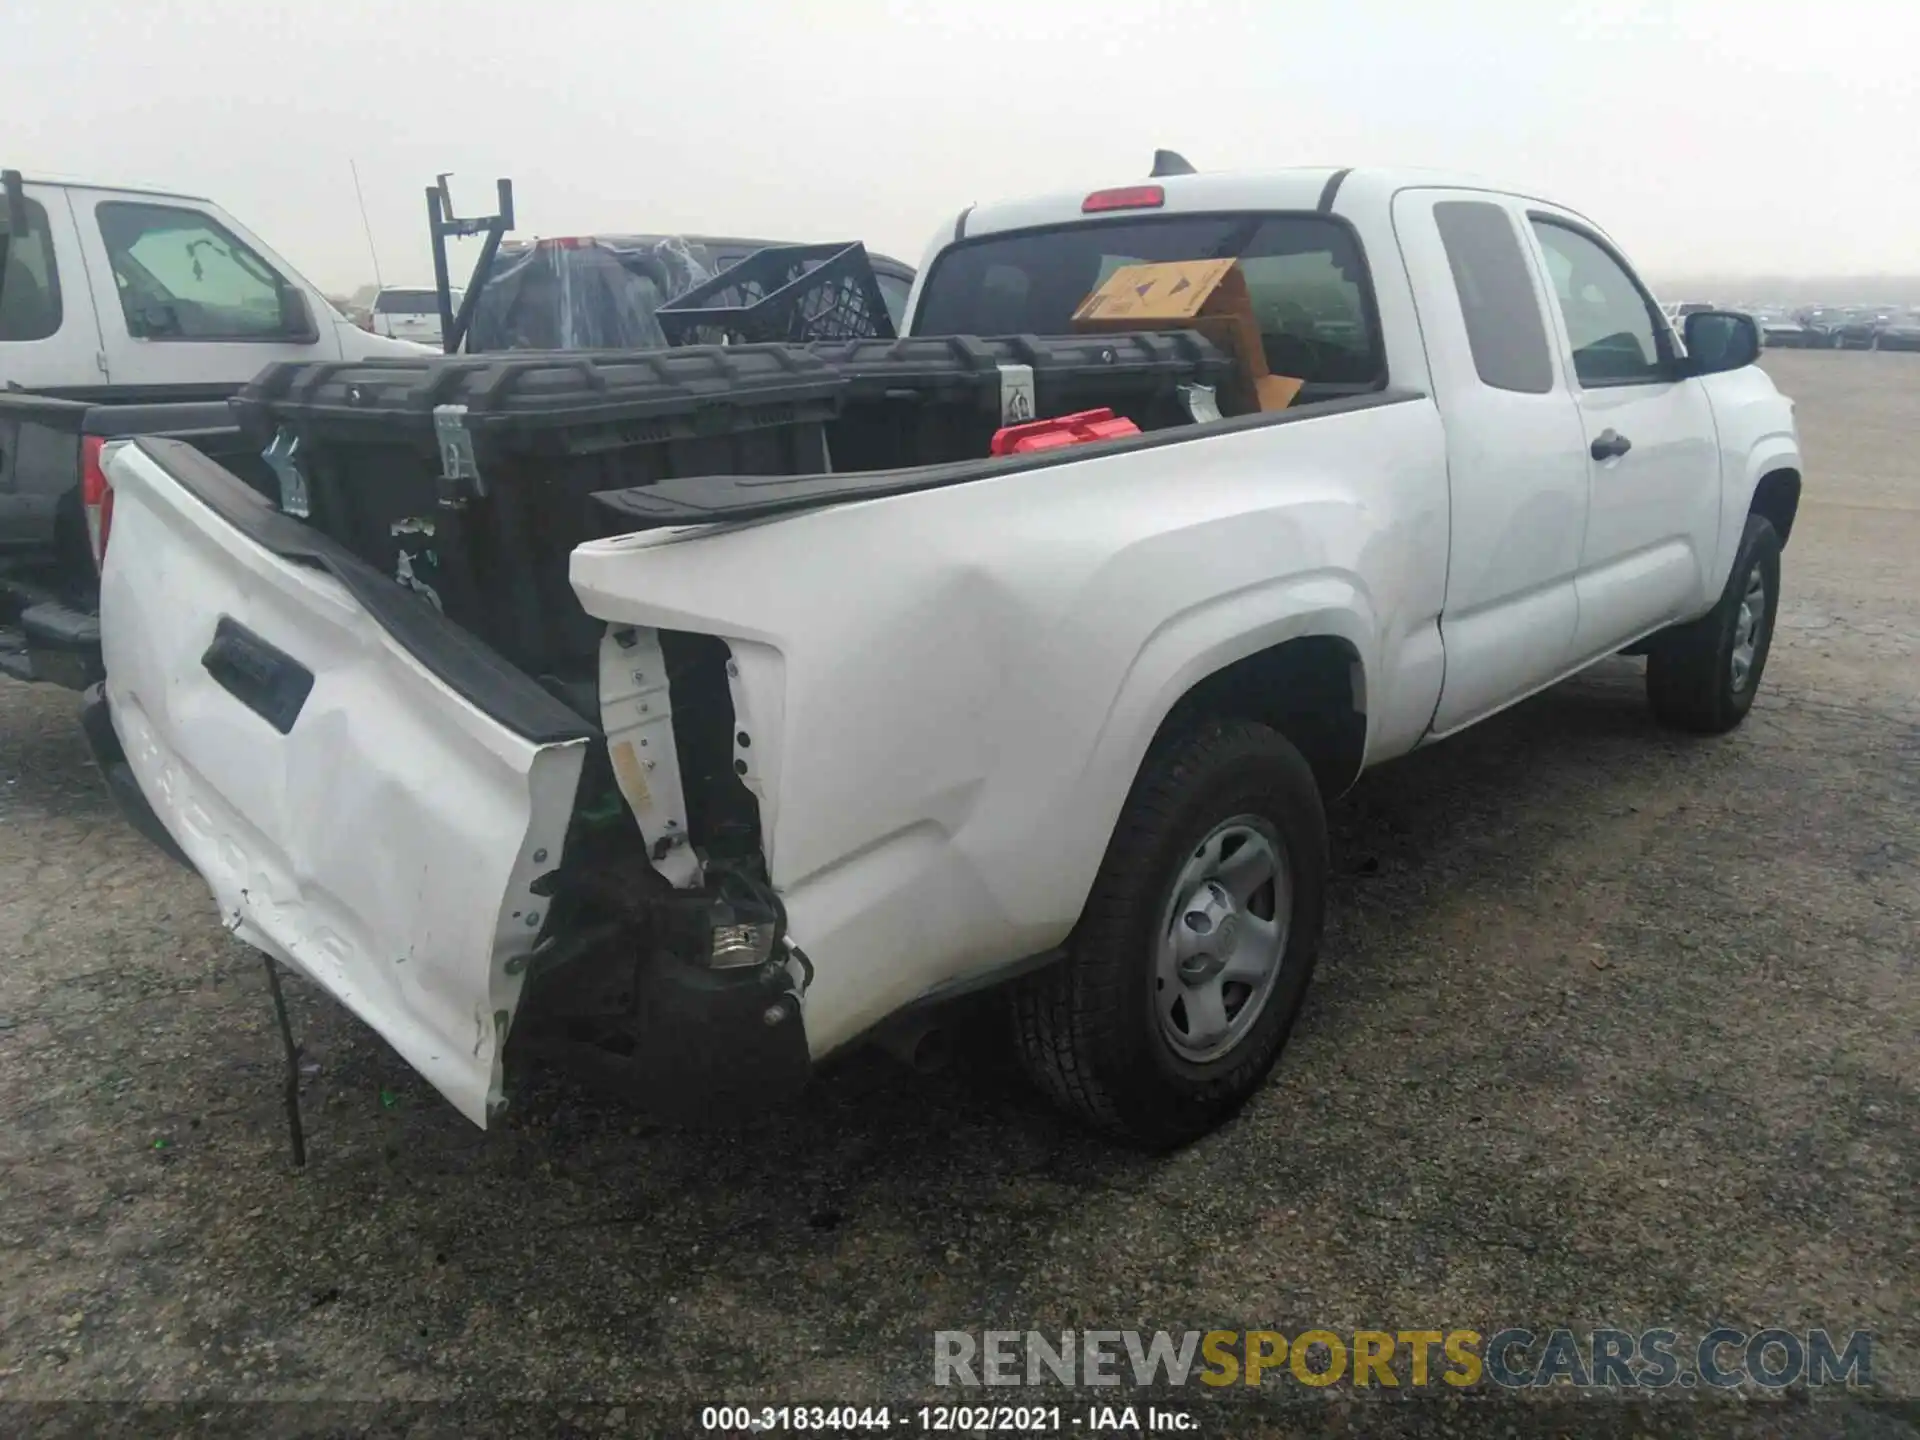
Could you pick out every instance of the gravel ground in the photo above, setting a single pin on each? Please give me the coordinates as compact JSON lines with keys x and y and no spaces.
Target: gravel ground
{"x":1612,"y":1028}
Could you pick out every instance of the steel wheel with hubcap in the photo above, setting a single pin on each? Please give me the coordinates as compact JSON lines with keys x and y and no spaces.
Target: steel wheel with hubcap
{"x":1195,"y":946}
{"x":1703,"y":676}
{"x":1747,"y":625}
{"x":1224,"y":936}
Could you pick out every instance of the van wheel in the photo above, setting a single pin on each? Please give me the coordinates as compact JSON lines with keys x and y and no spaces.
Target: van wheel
{"x":1191,"y":958}
{"x":1702,"y":677}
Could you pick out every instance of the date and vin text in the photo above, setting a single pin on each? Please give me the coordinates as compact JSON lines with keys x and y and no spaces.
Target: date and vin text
{"x":950,"y":1419}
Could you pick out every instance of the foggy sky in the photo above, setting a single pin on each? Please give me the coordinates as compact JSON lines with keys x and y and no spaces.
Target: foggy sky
{"x":1707,"y":137}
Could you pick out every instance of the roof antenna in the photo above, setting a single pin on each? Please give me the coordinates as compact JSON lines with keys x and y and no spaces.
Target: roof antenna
{"x":368,"y":224}
{"x":1171,"y":162}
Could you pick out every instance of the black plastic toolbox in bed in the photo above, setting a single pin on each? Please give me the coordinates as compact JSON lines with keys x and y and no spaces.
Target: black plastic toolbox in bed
{"x":934,"y":399}
{"x":466,"y":478}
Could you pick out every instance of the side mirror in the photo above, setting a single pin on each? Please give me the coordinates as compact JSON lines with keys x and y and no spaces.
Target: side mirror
{"x":296,"y":316}
{"x":1719,"y":340}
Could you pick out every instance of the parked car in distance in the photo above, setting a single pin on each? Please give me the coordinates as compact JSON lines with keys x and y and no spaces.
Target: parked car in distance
{"x":1822,"y":324}
{"x":1061,"y":724}
{"x":1779,"y":330}
{"x":1845,"y":327}
{"x":1860,"y":326}
{"x":409,"y":314}
{"x":1902,"y":332}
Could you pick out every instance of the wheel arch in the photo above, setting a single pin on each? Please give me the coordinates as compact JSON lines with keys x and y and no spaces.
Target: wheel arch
{"x":1311,"y":688}
{"x":1306,"y":667}
{"x":1776,"y":495}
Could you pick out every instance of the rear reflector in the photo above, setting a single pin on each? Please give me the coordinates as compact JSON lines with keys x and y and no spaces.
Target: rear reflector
{"x":1127,"y":197}
{"x":96,"y":496}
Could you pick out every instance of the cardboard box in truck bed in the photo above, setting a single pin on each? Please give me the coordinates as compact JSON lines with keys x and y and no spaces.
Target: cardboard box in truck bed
{"x":1205,"y":295}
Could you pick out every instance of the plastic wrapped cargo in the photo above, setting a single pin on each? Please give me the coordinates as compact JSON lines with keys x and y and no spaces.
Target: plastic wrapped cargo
{"x":600,"y":292}
{"x":594,"y":292}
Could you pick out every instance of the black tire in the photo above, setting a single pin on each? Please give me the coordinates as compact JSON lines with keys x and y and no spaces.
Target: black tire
{"x":1690,"y":670}
{"x":1087,"y":1029}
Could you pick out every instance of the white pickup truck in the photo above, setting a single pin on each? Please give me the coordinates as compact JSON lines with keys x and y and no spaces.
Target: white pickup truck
{"x":122,"y":312}
{"x":1062,"y":723}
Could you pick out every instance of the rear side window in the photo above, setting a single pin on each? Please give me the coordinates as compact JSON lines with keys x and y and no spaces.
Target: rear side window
{"x":182,"y":276}
{"x":1305,"y":274}
{"x":29,"y":284}
{"x":411,"y":302}
{"x":1490,"y":275}
{"x":894,"y":291}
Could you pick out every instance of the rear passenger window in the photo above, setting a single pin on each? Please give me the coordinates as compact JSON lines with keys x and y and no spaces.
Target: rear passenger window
{"x":29,"y":285}
{"x":1490,"y":275}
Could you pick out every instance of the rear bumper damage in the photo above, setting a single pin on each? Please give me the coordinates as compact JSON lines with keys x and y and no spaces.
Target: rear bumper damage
{"x":610,"y":1001}
{"x":433,"y":838}
{"x":678,"y":1040}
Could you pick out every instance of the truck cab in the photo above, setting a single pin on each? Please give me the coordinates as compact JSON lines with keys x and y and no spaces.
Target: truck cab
{"x":110,"y":293}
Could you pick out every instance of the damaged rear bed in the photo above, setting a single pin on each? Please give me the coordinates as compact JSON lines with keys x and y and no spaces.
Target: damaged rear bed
{"x":408,"y":762}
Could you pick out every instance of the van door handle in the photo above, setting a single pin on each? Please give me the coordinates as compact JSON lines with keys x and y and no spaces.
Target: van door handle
{"x":1609,"y":445}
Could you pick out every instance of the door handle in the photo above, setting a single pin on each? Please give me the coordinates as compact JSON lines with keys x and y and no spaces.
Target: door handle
{"x":1609,"y":445}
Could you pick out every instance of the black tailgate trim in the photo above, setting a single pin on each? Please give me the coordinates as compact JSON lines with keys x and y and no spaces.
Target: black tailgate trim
{"x":705,"y":499}
{"x":261,"y":676}
{"x":469,"y":667}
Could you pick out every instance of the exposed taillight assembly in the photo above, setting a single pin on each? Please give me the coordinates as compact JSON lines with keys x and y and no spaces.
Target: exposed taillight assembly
{"x":1127,"y":197}
{"x":96,"y":496}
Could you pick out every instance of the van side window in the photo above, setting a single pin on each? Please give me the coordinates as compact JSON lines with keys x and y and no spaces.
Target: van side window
{"x":1611,"y":323}
{"x":29,"y":283}
{"x":1491,"y":276}
{"x":181,"y":276}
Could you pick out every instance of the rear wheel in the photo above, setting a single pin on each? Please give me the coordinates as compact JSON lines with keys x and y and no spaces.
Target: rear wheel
{"x":1194,"y":951}
{"x":1702,"y":677}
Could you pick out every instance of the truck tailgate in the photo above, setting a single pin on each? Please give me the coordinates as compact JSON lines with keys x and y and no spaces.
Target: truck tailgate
{"x":367,"y":799}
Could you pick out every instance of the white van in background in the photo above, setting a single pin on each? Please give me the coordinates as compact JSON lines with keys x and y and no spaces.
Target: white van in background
{"x":409,"y":314}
